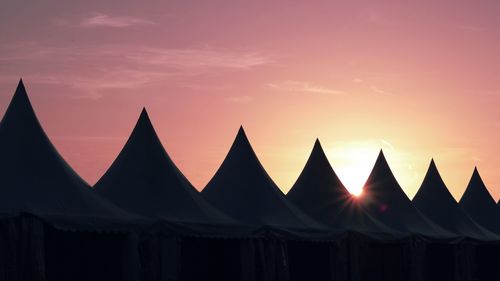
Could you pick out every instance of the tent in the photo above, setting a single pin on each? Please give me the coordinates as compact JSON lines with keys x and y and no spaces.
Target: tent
{"x":384,"y":198}
{"x":243,"y":189}
{"x":479,"y":203}
{"x":36,"y":180}
{"x":320,"y":193}
{"x":436,"y":202}
{"x":144,"y":180}
{"x":481,"y":206}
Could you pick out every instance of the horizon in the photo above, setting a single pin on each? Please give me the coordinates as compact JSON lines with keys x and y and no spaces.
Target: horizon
{"x":418,"y":80}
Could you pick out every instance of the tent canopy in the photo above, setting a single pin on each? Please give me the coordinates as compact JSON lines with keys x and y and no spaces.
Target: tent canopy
{"x":436,"y":202}
{"x":384,"y":198}
{"x":144,"y":180}
{"x":243,"y":189}
{"x":319,"y":192}
{"x":36,"y":179}
{"x":479,"y":203}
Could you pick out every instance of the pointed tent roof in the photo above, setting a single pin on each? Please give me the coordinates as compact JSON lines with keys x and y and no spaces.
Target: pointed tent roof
{"x":319,"y":193}
{"x":479,"y":203}
{"x":384,"y":198}
{"x":34,"y":177}
{"x":436,"y":202}
{"x":243,"y":189}
{"x":144,"y":180}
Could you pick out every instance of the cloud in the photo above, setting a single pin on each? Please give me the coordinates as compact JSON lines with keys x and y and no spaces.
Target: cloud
{"x":357,"y":80}
{"x":198,"y":58}
{"x":304,"y":87}
{"x":103,"y":20}
{"x":239,"y":99}
{"x":379,"y":91}
{"x":94,"y":68}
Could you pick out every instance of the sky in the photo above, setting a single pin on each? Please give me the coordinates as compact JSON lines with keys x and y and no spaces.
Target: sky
{"x":418,"y":79}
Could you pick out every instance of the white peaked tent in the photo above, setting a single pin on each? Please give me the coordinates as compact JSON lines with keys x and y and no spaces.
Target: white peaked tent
{"x":144,"y":180}
{"x":436,"y":202}
{"x":243,"y":189}
{"x":479,"y":203}
{"x":320,"y":193}
{"x":383,"y":198}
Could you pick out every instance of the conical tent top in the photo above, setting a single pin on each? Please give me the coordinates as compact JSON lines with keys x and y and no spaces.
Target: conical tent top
{"x":381,"y":170}
{"x":479,"y":203}
{"x":384,"y":199}
{"x":35,"y":178}
{"x":318,"y":167}
{"x":242,"y":189}
{"x":436,"y":202}
{"x":143,"y":179}
{"x":476,"y":191}
{"x":319,"y":193}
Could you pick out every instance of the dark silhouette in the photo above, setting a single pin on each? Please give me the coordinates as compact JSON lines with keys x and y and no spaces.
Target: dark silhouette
{"x":383,"y":198}
{"x":243,"y":189}
{"x":144,"y":180}
{"x":479,"y":204}
{"x":436,"y":202}
{"x":36,"y":179}
{"x":320,"y":193}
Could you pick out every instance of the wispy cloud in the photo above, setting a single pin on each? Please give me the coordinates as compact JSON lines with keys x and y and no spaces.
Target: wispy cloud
{"x":357,"y":80}
{"x":198,"y":58}
{"x":94,"y":68}
{"x":103,"y":20}
{"x":379,"y":91}
{"x":239,"y":99}
{"x":304,"y":87}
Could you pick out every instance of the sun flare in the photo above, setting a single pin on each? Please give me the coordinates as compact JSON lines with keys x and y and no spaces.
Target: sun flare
{"x":353,"y":162}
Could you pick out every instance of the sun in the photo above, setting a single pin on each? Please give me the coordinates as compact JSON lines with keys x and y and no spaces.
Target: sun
{"x":353,"y":162}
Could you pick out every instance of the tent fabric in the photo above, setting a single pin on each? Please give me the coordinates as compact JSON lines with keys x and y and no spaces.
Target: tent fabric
{"x":479,"y":203}
{"x":319,"y":193}
{"x":22,"y":250}
{"x":242,"y":189}
{"x":35,"y":178}
{"x":144,"y":180}
{"x":435,"y":201}
{"x":384,"y":199}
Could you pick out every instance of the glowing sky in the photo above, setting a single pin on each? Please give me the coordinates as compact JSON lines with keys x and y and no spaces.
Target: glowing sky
{"x":417,"y":79}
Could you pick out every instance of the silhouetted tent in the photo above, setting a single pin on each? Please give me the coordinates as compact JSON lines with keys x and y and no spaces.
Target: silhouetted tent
{"x":144,"y":180}
{"x":243,"y":189}
{"x":431,"y":245}
{"x":36,"y":180}
{"x":384,"y":198}
{"x":481,"y":206}
{"x":479,"y":203}
{"x":320,"y":193}
{"x":436,"y":202}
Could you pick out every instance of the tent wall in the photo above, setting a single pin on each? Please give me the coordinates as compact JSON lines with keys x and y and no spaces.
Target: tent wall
{"x":82,"y":256}
{"x":22,"y":249}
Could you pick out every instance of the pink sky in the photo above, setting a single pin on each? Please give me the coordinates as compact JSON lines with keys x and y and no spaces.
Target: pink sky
{"x":418,"y":79}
